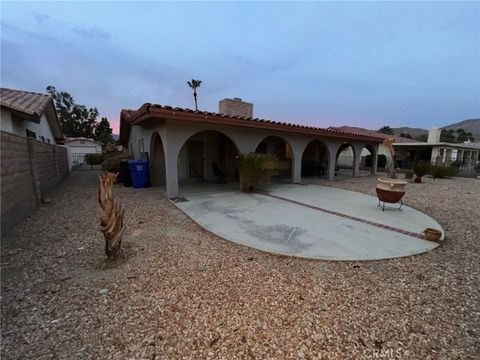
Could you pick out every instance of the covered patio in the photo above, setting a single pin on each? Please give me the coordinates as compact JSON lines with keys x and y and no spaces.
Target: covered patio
{"x":186,"y":146}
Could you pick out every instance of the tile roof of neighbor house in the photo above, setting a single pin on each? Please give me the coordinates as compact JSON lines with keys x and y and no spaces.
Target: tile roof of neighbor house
{"x":398,"y":139}
{"x":147,"y":110}
{"x":31,"y":106}
{"x":27,"y":102}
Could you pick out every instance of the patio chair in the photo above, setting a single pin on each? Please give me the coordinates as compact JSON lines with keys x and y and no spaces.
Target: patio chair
{"x":221,"y":174}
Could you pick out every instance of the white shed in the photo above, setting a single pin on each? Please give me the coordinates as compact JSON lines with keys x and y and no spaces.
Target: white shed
{"x":80,"y":146}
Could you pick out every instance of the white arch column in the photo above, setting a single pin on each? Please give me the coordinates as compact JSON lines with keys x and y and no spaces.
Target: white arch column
{"x":357,"y":155}
{"x":375,"y":159}
{"x":332,"y":158}
{"x":171,"y":169}
{"x":298,"y":147}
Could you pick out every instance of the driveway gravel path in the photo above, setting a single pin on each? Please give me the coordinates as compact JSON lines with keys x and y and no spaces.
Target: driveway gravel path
{"x":182,"y":292}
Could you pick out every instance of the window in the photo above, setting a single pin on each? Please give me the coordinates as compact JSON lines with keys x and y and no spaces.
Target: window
{"x":31,"y":134}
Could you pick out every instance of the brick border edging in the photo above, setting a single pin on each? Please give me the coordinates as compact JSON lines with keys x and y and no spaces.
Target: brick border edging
{"x":354,"y":218}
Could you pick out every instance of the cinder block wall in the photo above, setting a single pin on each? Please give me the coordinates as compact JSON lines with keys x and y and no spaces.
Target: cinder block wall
{"x":29,"y":170}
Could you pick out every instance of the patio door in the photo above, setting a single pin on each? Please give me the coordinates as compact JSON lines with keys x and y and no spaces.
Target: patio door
{"x":196,"y":156}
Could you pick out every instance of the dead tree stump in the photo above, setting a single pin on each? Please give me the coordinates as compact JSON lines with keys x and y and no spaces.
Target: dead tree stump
{"x":111,"y":216}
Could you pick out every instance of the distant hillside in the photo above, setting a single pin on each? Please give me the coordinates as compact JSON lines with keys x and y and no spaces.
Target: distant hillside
{"x":471,"y":125}
{"x":414,"y":132}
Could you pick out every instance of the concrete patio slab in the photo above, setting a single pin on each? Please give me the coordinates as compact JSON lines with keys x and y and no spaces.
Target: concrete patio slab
{"x":311,"y":221}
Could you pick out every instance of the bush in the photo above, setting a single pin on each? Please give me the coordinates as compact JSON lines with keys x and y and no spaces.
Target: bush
{"x":421,"y":168}
{"x":112,"y":162}
{"x":442,"y":172}
{"x":254,"y":169}
{"x":452,"y":171}
{"x":110,"y":154}
{"x":93,"y":159}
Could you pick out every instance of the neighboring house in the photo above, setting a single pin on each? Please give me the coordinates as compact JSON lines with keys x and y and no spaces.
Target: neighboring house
{"x":80,"y":146}
{"x":32,"y":162}
{"x":346,"y":155}
{"x":466,"y":155}
{"x":409,"y":151}
{"x":30,"y":114}
{"x":185,"y":146}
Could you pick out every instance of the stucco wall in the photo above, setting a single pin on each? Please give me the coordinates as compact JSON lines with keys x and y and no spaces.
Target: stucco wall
{"x":14,"y":125}
{"x":174,"y":134}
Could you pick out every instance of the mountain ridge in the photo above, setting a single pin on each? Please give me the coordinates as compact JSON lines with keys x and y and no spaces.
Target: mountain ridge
{"x":469,"y":125}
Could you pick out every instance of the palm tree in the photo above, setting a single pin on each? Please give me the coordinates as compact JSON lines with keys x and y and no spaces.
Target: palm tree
{"x":194,"y":84}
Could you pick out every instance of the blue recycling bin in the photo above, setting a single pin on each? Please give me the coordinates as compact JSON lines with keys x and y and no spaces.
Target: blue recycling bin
{"x":140,"y":173}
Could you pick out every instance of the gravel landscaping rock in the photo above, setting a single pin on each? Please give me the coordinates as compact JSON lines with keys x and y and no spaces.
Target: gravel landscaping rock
{"x":181,"y":292}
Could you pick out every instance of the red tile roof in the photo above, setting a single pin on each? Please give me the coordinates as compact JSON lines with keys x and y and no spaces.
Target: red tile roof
{"x":147,"y":111}
{"x":30,"y":103}
{"x":31,"y":106}
{"x":398,"y":139}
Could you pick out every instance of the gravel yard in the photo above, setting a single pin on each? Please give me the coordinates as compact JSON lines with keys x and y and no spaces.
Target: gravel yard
{"x":184,"y":293}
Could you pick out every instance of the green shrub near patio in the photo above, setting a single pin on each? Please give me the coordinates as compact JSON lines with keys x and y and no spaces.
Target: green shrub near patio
{"x":420,"y":169}
{"x":112,"y":161}
{"x":93,"y":159}
{"x":254,"y":169}
{"x":442,"y":172}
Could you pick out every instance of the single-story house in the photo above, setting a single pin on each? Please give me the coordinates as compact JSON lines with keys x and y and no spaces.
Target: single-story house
{"x":30,"y":114}
{"x":467,"y":155}
{"x":33,"y":163}
{"x":184,"y":145}
{"x":78,"y":147}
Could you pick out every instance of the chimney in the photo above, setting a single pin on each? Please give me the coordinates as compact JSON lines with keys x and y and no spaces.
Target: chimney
{"x":235,"y":107}
{"x":434,"y":135}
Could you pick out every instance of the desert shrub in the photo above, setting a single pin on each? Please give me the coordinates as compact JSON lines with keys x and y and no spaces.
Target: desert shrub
{"x":453,"y":170}
{"x":93,"y":159}
{"x":110,"y":154}
{"x":254,"y":169}
{"x":408,"y":174}
{"x":442,"y":172}
{"x":421,"y":168}
{"x":112,"y":162}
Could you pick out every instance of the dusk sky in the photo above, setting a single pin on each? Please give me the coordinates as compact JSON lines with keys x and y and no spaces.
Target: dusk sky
{"x":364,"y":64}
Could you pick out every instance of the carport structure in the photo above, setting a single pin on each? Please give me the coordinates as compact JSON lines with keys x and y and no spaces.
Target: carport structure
{"x":185,"y":145}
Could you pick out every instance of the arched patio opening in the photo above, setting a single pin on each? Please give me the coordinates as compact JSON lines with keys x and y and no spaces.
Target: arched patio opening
{"x":367,"y":160}
{"x":157,"y":161}
{"x":345,"y":160}
{"x":208,"y":157}
{"x":315,"y":161}
{"x":276,"y":146}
